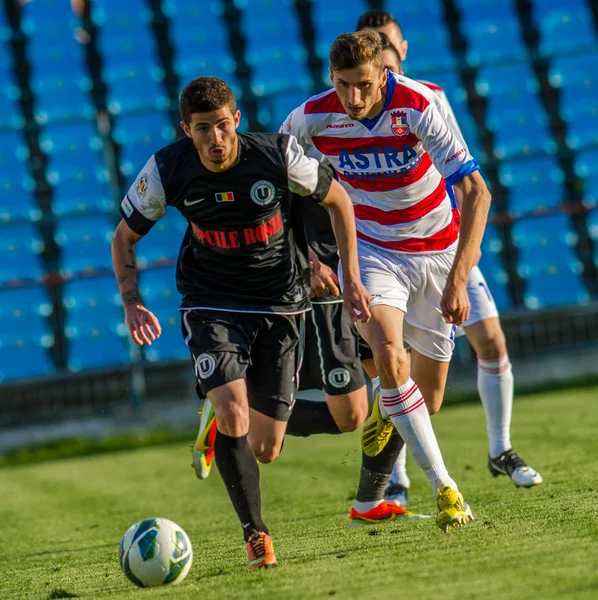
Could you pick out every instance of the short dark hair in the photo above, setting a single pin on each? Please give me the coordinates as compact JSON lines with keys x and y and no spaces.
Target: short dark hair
{"x":206,"y":94}
{"x":388,"y":45}
{"x":372,"y":19}
{"x":351,"y":50}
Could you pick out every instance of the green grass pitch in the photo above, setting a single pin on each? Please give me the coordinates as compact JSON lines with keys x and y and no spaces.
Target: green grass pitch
{"x":62,"y":520}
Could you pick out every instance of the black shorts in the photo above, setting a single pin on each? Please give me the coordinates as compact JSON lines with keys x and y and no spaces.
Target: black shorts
{"x":263,"y":349}
{"x":333,"y":351}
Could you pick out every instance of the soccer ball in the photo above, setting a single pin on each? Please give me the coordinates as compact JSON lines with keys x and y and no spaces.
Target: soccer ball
{"x":155,"y":552}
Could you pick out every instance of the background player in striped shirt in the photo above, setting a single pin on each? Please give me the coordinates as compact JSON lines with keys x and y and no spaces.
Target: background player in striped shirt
{"x":392,"y":148}
{"x":483,"y":329}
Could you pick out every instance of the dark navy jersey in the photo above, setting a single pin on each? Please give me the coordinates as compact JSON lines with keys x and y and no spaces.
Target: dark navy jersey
{"x":244,"y":249}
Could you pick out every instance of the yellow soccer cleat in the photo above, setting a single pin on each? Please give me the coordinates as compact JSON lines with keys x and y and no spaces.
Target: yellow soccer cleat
{"x":453,"y":511}
{"x":203,"y":449}
{"x":376,"y":430}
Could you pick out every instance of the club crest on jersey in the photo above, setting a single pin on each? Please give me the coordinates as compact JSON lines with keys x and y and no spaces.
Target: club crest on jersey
{"x":142,"y":185}
{"x":262,"y":192}
{"x":399,"y":125}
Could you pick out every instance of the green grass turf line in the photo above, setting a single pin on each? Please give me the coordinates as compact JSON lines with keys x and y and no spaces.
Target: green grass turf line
{"x":63,"y":520}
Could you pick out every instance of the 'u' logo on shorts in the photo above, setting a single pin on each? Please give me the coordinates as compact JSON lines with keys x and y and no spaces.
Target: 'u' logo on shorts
{"x":205,"y":365}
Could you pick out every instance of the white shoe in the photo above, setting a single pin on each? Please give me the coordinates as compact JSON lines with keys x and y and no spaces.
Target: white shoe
{"x":511,"y":464}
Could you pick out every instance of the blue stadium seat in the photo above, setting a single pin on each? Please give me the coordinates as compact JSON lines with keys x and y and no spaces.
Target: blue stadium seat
{"x":494,"y":41}
{"x":261,"y":23}
{"x":140,"y":136}
{"x":429,"y":51}
{"x":130,"y":56}
{"x":80,"y":191}
{"x":278,"y":108}
{"x":20,"y":247}
{"x":519,"y":124}
{"x":533,"y":184}
{"x":280,"y":70}
{"x":42,"y":17}
{"x":23,"y":316}
{"x":276,"y":53}
{"x":23,"y":360}
{"x":413,"y":16}
{"x":330,"y":19}
{"x":564,"y":27}
{"x":578,"y":98}
{"x":485,"y":10}
{"x":582,"y":125}
{"x":73,"y":147}
{"x":164,"y":240}
{"x":158,"y":290}
{"x":84,"y":243}
{"x":577,"y":70}
{"x":133,"y":87}
{"x":593,"y":231}
{"x":190,"y":66}
{"x":493,"y":270}
{"x":497,"y":80}
{"x":94,"y":324}
{"x":10,"y":113}
{"x":586,"y":167}
{"x":547,"y":262}
{"x":17,"y":202}
{"x":61,"y":98}
{"x":13,"y":154}
{"x":204,"y":50}
{"x":122,"y":17}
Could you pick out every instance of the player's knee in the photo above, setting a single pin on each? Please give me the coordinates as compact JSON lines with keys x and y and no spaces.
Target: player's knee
{"x":267,"y":453}
{"x":232,"y":418}
{"x":352,"y":420}
{"x":392,"y":360}
{"x":434,"y":403}
{"x":492,"y":346}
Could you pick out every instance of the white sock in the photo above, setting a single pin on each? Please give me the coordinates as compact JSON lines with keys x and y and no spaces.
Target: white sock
{"x":407,"y":409}
{"x":399,"y":471}
{"x":495,"y":386}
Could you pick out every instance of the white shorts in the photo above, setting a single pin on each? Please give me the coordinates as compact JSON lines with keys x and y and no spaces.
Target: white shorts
{"x":480,"y":298}
{"x":413,"y":283}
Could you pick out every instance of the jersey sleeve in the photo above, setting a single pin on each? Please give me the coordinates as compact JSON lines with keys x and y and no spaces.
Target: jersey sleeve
{"x":145,"y":202}
{"x":296,"y":125}
{"x":443,"y":101}
{"x":307,"y":176}
{"x":442,"y":140}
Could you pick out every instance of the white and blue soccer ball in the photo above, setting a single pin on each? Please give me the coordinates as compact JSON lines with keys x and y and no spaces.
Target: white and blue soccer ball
{"x":155,"y":552}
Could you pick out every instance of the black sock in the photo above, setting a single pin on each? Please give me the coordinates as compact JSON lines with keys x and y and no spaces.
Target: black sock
{"x":376,"y":470}
{"x":241,"y":475}
{"x":310,"y":417}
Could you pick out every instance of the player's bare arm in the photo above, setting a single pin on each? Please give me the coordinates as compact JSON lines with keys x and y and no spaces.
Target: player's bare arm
{"x":355,"y":296}
{"x":473,"y":197}
{"x":324,"y":281}
{"x":143,"y":326}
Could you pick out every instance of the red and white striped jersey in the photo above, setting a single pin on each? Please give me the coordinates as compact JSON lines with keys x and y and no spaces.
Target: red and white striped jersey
{"x":441,"y":96}
{"x":394,"y":166}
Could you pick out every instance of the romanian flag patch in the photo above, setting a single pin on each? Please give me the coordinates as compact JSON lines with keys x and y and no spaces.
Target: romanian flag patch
{"x":225,"y":197}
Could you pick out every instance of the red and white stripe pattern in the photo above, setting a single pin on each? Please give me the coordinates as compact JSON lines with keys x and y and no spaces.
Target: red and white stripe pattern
{"x":495,"y":367}
{"x":393,"y":168}
{"x":401,"y":401}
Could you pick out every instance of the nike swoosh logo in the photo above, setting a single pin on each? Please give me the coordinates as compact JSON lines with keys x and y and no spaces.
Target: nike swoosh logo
{"x":187,"y":203}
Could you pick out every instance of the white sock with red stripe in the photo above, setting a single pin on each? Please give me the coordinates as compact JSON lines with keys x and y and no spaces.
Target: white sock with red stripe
{"x":495,"y":386}
{"x":406,"y":407}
